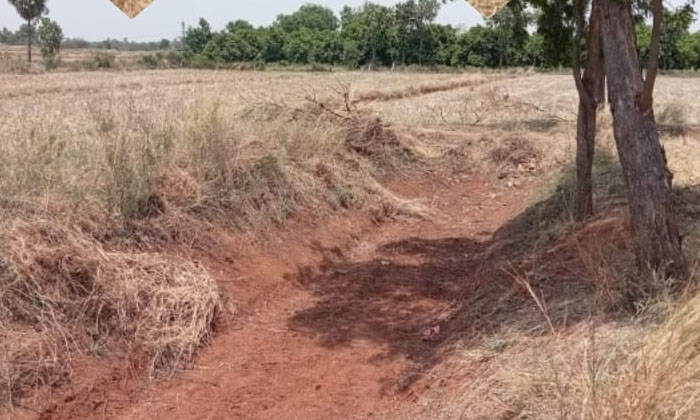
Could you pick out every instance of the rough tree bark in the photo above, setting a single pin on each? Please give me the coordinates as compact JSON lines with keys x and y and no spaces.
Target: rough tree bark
{"x":648,"y":180}
{"x":591,"y":92}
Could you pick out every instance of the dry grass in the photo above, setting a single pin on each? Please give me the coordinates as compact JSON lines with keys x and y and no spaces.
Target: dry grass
{"x":99,"y":172}
{"x":635,"y":355}
{"x":76,"y":297}
{"x":101,"y":176}
{"x":13,"y":59}
{"x":428,"y":88}
{"x":626,"y":371}
{"x":619,"y":361}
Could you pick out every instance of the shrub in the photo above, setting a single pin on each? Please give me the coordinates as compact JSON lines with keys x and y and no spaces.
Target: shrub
{"x":200,"y":61}
{"x":149,"y":61}
{"x":50,"y":38}
{"x":102,"y":60}
{"x":175,"y":58}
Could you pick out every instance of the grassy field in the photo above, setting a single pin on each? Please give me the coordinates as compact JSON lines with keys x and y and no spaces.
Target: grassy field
{"x":106,"y":177}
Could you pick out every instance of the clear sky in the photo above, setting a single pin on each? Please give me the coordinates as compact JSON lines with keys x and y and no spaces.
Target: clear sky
{"x":99,"y":19}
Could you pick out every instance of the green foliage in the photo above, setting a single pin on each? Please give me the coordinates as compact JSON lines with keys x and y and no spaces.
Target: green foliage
{"x":643,"y":41}
{"x":197,"y":38}
{"x":510,"y":28}
{"x":555,"y":23}
{"x":163,"y":60}
{"x":689,"y":51}
{"x":19,"y":37}
{"x":149,"y":61}
{"x":30,"y":10}
{"x":372,"y":35}
{"x":309,"y":16}
{"x":50,"y":38}
{"x":529,"y":33}
{"x":533,"y":54}
{"x":674,"y":28}
{"x":416,"y":37}
{"x":478,"y":47}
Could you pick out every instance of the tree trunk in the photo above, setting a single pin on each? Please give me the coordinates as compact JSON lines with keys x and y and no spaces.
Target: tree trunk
{"x":591,"y":89}
{"x":585,"y":150}
{"x":648,"y":180}
{"x":29,"y":41}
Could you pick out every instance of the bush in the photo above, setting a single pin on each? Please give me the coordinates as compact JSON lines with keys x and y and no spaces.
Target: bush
{"x":320,"y":67}
{"x":149,"y":61}
{"x":199,"y":61}
{"x":50,"y":38}
{"x":175,"y":58}
{"x":102,"y":60}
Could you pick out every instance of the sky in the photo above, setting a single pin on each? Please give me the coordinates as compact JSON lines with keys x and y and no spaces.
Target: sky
{"x":95,"y":20}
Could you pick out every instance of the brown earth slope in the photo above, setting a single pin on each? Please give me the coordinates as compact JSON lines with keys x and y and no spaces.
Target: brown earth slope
{"x":334,"y":322}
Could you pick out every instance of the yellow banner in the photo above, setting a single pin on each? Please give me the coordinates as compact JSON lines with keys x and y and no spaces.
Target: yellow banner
{"x":132,"y":7}
{"x":488,"y":8}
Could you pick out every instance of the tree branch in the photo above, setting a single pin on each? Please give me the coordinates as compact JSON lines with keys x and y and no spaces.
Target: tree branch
{"x":647,"y":97}
{"x":583,"y":93}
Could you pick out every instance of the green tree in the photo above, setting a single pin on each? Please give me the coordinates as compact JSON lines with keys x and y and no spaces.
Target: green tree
{"x":510,"y":25}
{"x":689,"y":51}
{"x":676,"y":24}
{"x":275,"y":40}
{"x":555,"y":23}
{"x":442,"y":44}
{"x":412,"y":20}
{"x":372,"y":28}
{"x":30,"y":10}
{"x":50,"y":38}
{"x":643,"y":34}
{"x":241,"y":42}
{"x":309,"y":16}
{"x":478,"y":47}
{"x":197,"y":38}
{"x":533,"y":51}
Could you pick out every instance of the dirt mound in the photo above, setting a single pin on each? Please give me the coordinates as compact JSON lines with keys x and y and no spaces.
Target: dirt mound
{"x":75,"y":296}
{"x":376,"y":140}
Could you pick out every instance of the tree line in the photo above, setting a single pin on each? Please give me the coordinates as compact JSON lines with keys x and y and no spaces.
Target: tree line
{"x":20,"y":36}
{"x":537,"y":33}
{"x":520,"y":35}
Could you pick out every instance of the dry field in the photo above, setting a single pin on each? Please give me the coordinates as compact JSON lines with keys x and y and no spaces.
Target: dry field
{"x":13,"y":59}
{"x":125,"y":198}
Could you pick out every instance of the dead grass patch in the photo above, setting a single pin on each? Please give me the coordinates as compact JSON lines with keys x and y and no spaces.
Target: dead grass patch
{"x":83,"y":298}
{"x":626,"y":371}
{"x":92,"y":203}
{"x":29,"y":359}
{"x":515,"y":152}
{"x":424,"y":89}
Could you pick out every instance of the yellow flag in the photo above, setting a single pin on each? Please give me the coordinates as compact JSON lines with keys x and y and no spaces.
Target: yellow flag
{"x":488,"y":8}
{"x":132,"y":7}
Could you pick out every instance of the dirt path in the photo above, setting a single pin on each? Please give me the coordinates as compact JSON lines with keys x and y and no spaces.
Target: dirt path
{"x":326,"y":331}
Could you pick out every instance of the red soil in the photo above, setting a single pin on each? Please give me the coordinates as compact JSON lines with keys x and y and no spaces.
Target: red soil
{"x":340,"y":321}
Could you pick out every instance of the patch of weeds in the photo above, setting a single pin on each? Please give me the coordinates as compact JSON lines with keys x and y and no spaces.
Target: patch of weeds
{"x":496,"y":344}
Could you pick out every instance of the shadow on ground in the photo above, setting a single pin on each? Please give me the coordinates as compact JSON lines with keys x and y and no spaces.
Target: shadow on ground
{"x":473,"y":288}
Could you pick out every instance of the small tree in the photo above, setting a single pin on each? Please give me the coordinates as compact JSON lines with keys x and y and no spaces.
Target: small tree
{"x":50,"y":38}
{"x":196,"y":38}
{"x":591,"y":91}
{"x":30,"y":10}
